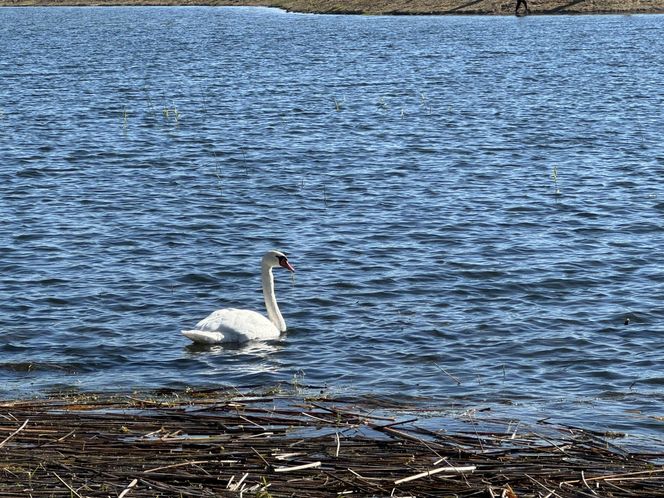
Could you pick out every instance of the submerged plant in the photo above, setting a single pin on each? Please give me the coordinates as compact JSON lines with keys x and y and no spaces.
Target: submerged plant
{"x":297,"y":381}
{"x":217,"y":171}
{"x":554,"y":177}
{"x":171,"y":111}
{"x":150,"y":106}
{"x":246,"y":165}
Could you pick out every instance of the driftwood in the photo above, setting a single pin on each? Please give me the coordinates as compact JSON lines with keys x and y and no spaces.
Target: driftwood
{"x":225,"y":443}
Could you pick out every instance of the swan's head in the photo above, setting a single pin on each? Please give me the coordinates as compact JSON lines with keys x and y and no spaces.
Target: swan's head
{"x":276,"y":258}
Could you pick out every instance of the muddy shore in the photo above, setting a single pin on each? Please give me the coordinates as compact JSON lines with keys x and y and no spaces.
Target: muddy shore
{"x":395,"y":7}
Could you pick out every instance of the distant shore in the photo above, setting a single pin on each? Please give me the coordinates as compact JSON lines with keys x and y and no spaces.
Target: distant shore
{"x":391,"y":7}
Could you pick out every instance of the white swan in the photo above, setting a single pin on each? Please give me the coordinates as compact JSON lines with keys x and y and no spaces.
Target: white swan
{"x":238,"y":326}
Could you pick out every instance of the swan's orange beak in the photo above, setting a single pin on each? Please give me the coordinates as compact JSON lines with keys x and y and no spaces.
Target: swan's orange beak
{"x":285,"y":264}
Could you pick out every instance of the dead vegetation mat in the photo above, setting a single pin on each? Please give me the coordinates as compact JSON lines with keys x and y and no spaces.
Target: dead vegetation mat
{"x":229,"y":443}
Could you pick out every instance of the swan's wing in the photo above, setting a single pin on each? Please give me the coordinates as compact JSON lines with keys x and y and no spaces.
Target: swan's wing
{"x":203,"y":337}
{"x":232,"y":325}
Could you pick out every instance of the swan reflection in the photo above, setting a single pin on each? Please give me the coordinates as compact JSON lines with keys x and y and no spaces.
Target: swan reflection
{"x":254,"y":357}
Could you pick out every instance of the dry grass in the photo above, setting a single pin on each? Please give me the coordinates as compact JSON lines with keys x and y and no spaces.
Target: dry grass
{"x":397,"y":6}
{"x":217,"y":443}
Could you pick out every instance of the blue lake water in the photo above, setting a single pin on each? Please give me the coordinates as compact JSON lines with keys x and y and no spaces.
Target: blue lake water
{"x":473,"y":205}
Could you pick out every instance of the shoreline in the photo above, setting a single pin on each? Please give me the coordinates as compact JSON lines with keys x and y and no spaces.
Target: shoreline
{"x":230,"y":442}
{"x":385,"y":7}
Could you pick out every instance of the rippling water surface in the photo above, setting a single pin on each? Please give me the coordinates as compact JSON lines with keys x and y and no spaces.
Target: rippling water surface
{"x":473,"y":205}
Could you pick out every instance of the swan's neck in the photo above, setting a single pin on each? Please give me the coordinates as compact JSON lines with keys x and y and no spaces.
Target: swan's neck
{"x":271,"y":306}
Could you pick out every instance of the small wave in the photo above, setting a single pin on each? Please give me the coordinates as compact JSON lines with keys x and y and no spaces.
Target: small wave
{"x":28,"y":367}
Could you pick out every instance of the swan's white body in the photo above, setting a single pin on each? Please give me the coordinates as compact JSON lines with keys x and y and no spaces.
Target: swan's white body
{"x":238,"y":326}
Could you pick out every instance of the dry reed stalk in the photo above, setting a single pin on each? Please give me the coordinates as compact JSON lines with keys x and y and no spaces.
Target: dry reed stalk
{"x":14,"y":433}
{"x":429,"y":473}
{"x":311,"y":465}
{"x":68,"y":486}
{"x":128,"y":488}
{"x":226,"y":443}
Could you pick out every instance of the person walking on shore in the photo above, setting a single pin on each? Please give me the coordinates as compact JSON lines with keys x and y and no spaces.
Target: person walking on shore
{"x":525,"y":5}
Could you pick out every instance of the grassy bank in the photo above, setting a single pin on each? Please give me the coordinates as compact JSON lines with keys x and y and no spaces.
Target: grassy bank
{"x":397,"y":6}
{"x":275,"y":444}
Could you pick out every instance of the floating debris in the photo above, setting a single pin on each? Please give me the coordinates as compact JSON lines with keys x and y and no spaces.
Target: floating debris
{"x":229,"y":443}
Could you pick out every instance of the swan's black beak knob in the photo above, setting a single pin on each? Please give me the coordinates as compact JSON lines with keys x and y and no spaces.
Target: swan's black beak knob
{"x":283,"y":262}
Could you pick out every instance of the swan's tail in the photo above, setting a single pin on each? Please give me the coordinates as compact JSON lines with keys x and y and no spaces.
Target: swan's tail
{"x":204,"y":337}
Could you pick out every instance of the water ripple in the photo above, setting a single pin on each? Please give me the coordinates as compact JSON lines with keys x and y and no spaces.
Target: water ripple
{"x":469,"y":220}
